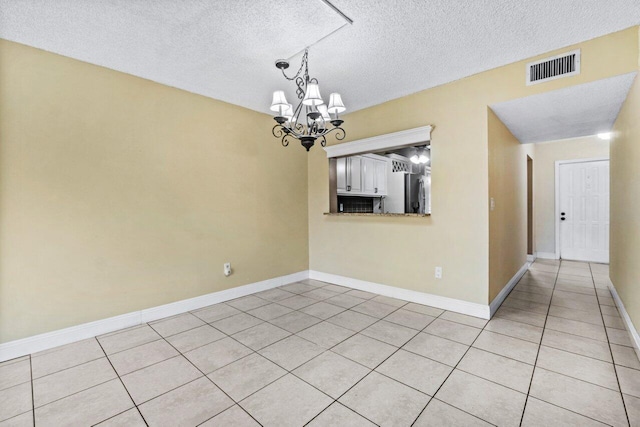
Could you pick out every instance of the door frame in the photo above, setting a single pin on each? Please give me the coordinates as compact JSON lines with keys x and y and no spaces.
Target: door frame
{"x":557,"y":192}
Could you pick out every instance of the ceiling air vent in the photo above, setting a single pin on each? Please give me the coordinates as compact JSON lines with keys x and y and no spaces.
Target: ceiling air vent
{"x":564,"y":65}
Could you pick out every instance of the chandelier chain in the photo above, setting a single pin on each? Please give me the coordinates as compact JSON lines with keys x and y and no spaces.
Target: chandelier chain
{"x":303,"y":65}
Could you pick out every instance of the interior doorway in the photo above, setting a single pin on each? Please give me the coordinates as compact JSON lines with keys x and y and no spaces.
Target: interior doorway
{"x":529,"y":206}
{"x":582,"y":210}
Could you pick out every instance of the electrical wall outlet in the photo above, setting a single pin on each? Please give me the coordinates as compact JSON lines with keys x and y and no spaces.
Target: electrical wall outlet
{"x":438,"y":272}
{"x":227,"y":269}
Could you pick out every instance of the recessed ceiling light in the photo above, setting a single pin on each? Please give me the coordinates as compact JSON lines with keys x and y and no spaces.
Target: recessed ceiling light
{"x":605,"y":135}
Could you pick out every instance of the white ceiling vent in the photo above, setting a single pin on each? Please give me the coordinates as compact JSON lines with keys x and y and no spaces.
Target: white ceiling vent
{"x":556,"y":67}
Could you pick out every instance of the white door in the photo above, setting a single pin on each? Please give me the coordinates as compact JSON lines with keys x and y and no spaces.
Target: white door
{"x":584,"y":211}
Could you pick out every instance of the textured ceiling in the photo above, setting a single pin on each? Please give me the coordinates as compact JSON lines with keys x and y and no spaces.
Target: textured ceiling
{"x":225,"y":49}
{"x":575,"y":111}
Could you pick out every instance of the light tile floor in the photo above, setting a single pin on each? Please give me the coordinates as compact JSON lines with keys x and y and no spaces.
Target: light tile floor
{"x":311,"y":353}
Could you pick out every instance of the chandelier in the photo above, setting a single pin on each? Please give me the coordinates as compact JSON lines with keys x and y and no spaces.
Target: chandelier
{"x":311,"y":119}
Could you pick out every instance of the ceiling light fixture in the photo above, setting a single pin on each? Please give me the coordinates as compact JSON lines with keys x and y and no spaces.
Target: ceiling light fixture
{"x":420,"y":156}
{"x":605,"y":135}
{"x":315,"y":120}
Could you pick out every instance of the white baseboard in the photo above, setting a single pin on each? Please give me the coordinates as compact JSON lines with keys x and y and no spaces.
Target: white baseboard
{"x":547,"y":255}
{"x":451,"y":304}
{"x":22,"y":347}
{"x":532,"y":257}
{"x":497,"y":301}
{"x":631,"y":329}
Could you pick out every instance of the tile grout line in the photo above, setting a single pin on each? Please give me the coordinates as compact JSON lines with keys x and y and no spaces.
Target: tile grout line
{"x":563,"y":374}
{"x":449,"y":375}
{"x":370,"y":369}
{"x":615,"y":370}
{"x":563,"y":332}
{"x":252,"y":351}
{"x":535,"y":363}
{"x":355,"y":332}
{"x":74,"y":393}
{"x":123,"y":385}
{"x":209,"y":379}
{"x":335,"y":400}
{"x":325,"y":350}
{"x":74,"y":366}
{"x":33,"y":400}
{"x":113,"y":416}
{"x":578,"y":379}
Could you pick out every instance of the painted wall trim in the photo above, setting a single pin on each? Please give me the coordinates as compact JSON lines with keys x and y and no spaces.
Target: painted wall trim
{"x":557,"y":194}
{"x":381,"y":142}
{"x":22,"y":347}
{"x":499,"y":299}
{"x":546,"y":255}
{"x":451,"y":304}
{"x":532,"y":257}
{"x":631,"y":329}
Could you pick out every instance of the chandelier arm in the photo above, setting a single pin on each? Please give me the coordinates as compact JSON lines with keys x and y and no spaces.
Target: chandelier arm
{"x":295,"y":134}
{"x":324,"y":141}
{"x":285,"y":141}
{"x":340,"y":133}
{"x":297,"y":112}
{"x":297,"y":131}
{"x":278,"y":131}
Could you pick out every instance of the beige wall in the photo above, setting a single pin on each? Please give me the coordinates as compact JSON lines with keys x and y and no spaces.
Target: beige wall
{"x":508,"y":188}
{"x":625,"y":204}
{"x":404,"y":251}
{"x":118,"y":194}
{"x":546,"y":155}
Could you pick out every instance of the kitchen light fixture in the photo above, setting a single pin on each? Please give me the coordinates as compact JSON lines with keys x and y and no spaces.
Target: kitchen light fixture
{"x":420,"y":156}
{"x":315,"y":120}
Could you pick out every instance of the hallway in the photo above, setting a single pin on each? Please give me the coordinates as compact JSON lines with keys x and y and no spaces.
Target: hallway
{"x":586,"y":363}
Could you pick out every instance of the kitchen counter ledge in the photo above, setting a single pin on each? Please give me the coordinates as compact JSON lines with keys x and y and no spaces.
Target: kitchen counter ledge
{"x":375,"y":214}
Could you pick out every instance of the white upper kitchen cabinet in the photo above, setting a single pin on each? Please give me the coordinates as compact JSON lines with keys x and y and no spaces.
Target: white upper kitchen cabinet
{"x":362,"y":175}
{"x":369,"y":175}
{"x":354,"y":174}
{"x":341,"y":174}
{"x":381,"y":168}
{"x":349,"y":175}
